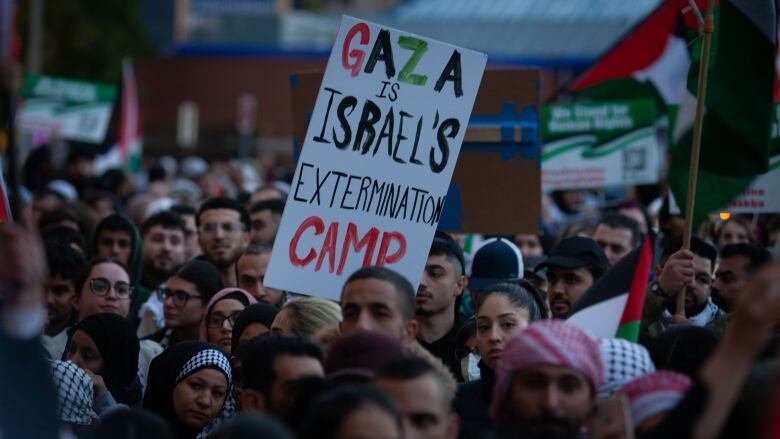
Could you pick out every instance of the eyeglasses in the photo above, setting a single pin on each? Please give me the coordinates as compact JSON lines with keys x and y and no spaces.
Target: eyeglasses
{"x":228,"y":228}
{"x":178,"y":297}
{"x":217,"y":320}
{"x":100,"y":286}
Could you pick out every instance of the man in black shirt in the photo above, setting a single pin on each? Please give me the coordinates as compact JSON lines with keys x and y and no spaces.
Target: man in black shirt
{"x":442,"y":283}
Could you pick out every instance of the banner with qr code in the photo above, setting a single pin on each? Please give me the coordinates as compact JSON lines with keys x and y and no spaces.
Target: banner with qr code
{"x":66,"y":108}
{"x":600,"y":144}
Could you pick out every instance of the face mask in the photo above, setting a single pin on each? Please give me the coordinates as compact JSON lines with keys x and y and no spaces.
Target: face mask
{"x":469,"y":368}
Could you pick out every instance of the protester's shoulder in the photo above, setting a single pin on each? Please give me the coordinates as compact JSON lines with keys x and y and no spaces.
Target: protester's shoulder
{"x":156,"y":336}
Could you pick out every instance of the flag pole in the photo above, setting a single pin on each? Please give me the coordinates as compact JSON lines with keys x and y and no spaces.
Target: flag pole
{"x":693,"y":172}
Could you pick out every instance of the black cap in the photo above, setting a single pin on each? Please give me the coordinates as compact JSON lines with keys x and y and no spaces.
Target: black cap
{"x":531,"y":262}
{"x":576,"y":252}
{"x":444,"y":242}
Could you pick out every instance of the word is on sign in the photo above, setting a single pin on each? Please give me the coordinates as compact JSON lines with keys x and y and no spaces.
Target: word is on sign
{"x":375,"y":165}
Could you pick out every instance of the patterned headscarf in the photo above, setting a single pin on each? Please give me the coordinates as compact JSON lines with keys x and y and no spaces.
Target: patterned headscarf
{"x":654,"y":393}
{"x":173,"y":366}
{"x":545,"y":343}
{"x":74,"y":393}
{"x":623,"y":361}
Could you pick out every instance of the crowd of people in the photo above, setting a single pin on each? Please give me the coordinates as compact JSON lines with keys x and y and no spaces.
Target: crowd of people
{"x":136,"y":308}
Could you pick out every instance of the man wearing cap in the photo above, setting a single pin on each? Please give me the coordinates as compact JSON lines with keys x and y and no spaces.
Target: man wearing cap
{"x":442,"y":283}
{"x":537,"y":278}
{"x":496,"y":260}
{"x":572,"y":267}
{"x":547,"y":381}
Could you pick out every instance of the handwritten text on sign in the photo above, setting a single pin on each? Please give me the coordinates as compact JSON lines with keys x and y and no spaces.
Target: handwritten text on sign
{"x":378,"y":156}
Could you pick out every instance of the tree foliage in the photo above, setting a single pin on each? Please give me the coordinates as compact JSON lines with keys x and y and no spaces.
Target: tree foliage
{"x":87,"y":39}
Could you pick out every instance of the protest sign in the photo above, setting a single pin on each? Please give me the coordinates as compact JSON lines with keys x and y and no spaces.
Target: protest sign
{"x":763,"y":195}
{"x":600,"y":144}
{"x":496,"y":187}
{"x":377,"y":159}
{"x":66,"y":108}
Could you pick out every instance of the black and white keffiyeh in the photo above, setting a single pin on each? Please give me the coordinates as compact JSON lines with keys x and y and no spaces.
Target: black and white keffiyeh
{"x":623,"y":361}
{"x":173,"y":366}
{"x":74,"y":393}
{"x":203,"y":359}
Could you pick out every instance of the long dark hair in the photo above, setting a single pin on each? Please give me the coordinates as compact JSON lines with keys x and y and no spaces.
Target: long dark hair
{"x":519,"y":292}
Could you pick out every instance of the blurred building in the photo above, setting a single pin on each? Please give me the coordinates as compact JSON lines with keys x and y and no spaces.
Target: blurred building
{"x":215,"y":51}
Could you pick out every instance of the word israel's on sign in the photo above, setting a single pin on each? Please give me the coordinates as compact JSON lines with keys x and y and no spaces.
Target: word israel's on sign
{"x":377,"y":159}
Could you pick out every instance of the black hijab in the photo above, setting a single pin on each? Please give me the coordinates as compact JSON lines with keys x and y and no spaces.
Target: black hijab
{"x":174,"y":365}
{"x":118,"y":344}
{"x":262,"y":313}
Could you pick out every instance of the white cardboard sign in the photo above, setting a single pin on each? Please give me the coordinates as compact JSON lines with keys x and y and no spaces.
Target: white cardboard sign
{"x":377,"y":160}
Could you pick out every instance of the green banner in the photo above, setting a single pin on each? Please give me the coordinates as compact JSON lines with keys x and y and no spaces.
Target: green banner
{"x":599,"y":144}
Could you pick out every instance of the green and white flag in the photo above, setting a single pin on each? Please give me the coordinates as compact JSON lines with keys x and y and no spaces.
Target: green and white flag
{"x":736,"y":134}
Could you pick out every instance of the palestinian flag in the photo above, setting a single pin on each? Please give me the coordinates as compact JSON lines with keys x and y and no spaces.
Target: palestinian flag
{"x":738,"y":109}
{"x":130,"y":142}
{"x":650,"y":61}
{"x":612,"y":307}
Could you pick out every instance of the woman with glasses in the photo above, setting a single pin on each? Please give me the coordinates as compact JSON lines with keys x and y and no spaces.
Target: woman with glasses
{"x":221,"y":313}
{"x":106,"y":347}
{"x":184,"y":299}
{"x":103,"y":286}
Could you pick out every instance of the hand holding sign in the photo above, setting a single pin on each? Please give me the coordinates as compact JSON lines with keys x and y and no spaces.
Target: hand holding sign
{"x":377,"y":159}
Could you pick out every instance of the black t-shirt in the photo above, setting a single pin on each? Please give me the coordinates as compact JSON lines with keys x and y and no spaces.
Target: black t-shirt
{"x":444,"y":349}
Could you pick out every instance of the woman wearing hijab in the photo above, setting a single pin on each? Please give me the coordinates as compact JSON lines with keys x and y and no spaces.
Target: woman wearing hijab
{"x":189,"y":385}
{"x":254,"y":320}
{"x":105,"y":345}
{"x":221,"y":313}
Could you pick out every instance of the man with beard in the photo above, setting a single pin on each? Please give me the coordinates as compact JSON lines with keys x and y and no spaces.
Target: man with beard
{"x":617,"y":235}
{"x":547,"y":382}
{"x":187,"y":214}
{"x":251,"y":268}
{"x":738,"y":262}
{"x":64,"y":265}
{"x":690,"y":269}
{"x":266,"y":216}
{"x":379,"y":299}
{"x":573,"y":265}
{"x":223,"y":234}
{"x":163,"y":247}
{"x":442,"y":283}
